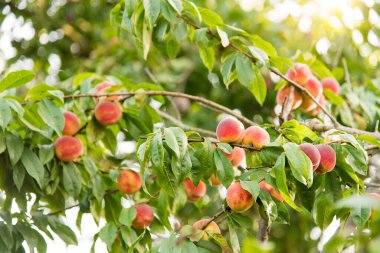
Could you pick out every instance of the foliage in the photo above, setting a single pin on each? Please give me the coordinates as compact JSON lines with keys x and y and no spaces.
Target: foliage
{"x":43,"y":187}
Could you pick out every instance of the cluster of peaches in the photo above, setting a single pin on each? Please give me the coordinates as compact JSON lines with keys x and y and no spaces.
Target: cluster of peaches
{"x":107,"y":112}
{"x":302,"y":75}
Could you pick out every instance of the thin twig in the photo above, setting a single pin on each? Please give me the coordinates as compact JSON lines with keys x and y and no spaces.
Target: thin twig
{"x":184,"y":126}
{"x":201,"y":100}
{"x":213,"y":218}
{"x":264,"y":230}
{"x":372,"y":184}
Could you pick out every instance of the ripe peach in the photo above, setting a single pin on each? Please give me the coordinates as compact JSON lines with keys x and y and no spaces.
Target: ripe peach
{"x":267,"y":187}
{"x":72,"y":124}
{"x":237,"y":156}
{"x":214,"y":180}
{"x":108,"y":113}
{"x":312,"y":152}
{"x":100,"y":90}
{"x":144,"y":216}
{"x":315,"y":88}
{"x":129,"y":181}
{"x":256,"y":136}
{"x":316,"y":110}
{"x":230,"y":130}
{"x":210,"y":227}
{"x":328,"y":159}
{"x":68,"y":148}
{"x":194,"y":193}
{"x":331,"y":84}
{"x":300,"y":73}
{"x":297,"y":98}
{"x":238,"y":199}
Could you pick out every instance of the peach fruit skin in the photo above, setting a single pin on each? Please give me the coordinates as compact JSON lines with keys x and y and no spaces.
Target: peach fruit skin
{"x":300,"y":74}
{"x":144,"y":216}
{"x":194,"y":193}
{"x":238,"y":199}
{"x":256,"y":136}
{"x":214,"y":180}
{"x":237,"y":156}
{"x":297,"y":98}
{"x":72,"y":124}
{"x":129,"y":181}
{"x":328,"y":159}
{"x":331,"y":84}
{"x":68,"y":148}
{"x":267,"y":187}
{"x":108,"y":113}
{"x":312,"y":152}
{"x":315,"y":88}
{"x":316,"y":110}
{"x":210,"y":227}
{"x":230,"y":130}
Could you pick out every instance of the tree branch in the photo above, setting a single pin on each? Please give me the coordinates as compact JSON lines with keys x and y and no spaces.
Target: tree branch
{"x":213,"y":218}
{"x":206,"y":102}
{"x":263,"y":230}
{"x":184,"y":126}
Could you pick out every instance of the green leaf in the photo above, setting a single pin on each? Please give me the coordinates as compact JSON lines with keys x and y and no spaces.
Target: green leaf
{"x":127,"y":215}
{"x":5,"y":113}
{"x":232,"y":229}
{"x":133,"y":245}
{"x":324,"y":211}
{"x":227,"y":68}
{"x":72,"y":179}
{"x":206,"y":159}
{"x":281,"y":182}
{"x":220,"y":240}
{"x":15,"y":79}
{"x":14,"y":148}
{"x":210,"y":18}
{"x":360,"y":216}
{"x":223,"y":36}
{"x":260,"y":56}
{"x":18,"y":175}
{"x":300,"y":164}
{"x":96,"y":181}
{"x":152,"y":10}
{"x":207,"y":55}
{"x":263,"y":44}
{"x":252,"y":187}
{"x":63,"y":231}
{"x":3,"y":145}
{"x":157,"y":151}
{"x":177,"y":5}
{"x":224,"y":167}
{"x":147,"y":40}
{"x":225,"y":147}
{"x":33,"y":166}
{"x":181,"y":140}
{"x":51,"y":115}
{"x":250,"y":77}
{"x":108,"y":234}
{"x":171,"y":141}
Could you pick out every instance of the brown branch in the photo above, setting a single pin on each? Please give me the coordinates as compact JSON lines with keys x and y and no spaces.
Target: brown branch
{"x":184,"y":126}
{"x":201,"y":100}
{"x":217,"y":215}
{"x":232,"y":144}
{"x":264,"y":230}
{"x":323,"y":128}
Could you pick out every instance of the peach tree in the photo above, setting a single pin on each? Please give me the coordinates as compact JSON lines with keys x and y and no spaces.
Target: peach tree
{"x":238,"y":187}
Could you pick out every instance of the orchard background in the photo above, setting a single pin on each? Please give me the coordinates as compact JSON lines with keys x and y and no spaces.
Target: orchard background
{"x":148,"y":82}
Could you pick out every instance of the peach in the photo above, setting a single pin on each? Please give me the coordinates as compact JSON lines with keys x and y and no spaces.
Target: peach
{"x":214,"y":180}
{"x":328,"y":158}
{"x":267,"y":187}
{"x":68,"y":148}
{"x":312,"y":152}
{"x":72,"y":124}
{"x":100,"y":90}
{"x":300,"y":73}
{"x":238,"y":199}
{"x":129,"y":181}
{"x":316,"y":110}
{"x":330,"y":83}
{"x":297,"y":98}
{"x":194,"y":193}
{"x":237,"y":156}
{"x":108,"y":112}
{"x":315,"y":89}
{"x":230,"y":130}
{"x":210,"y":227}
{"x":144,"y":216}
{"x":256,"y":136}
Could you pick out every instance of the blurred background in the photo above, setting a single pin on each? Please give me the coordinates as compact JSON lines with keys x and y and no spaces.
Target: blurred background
{"x":58,"y":39}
